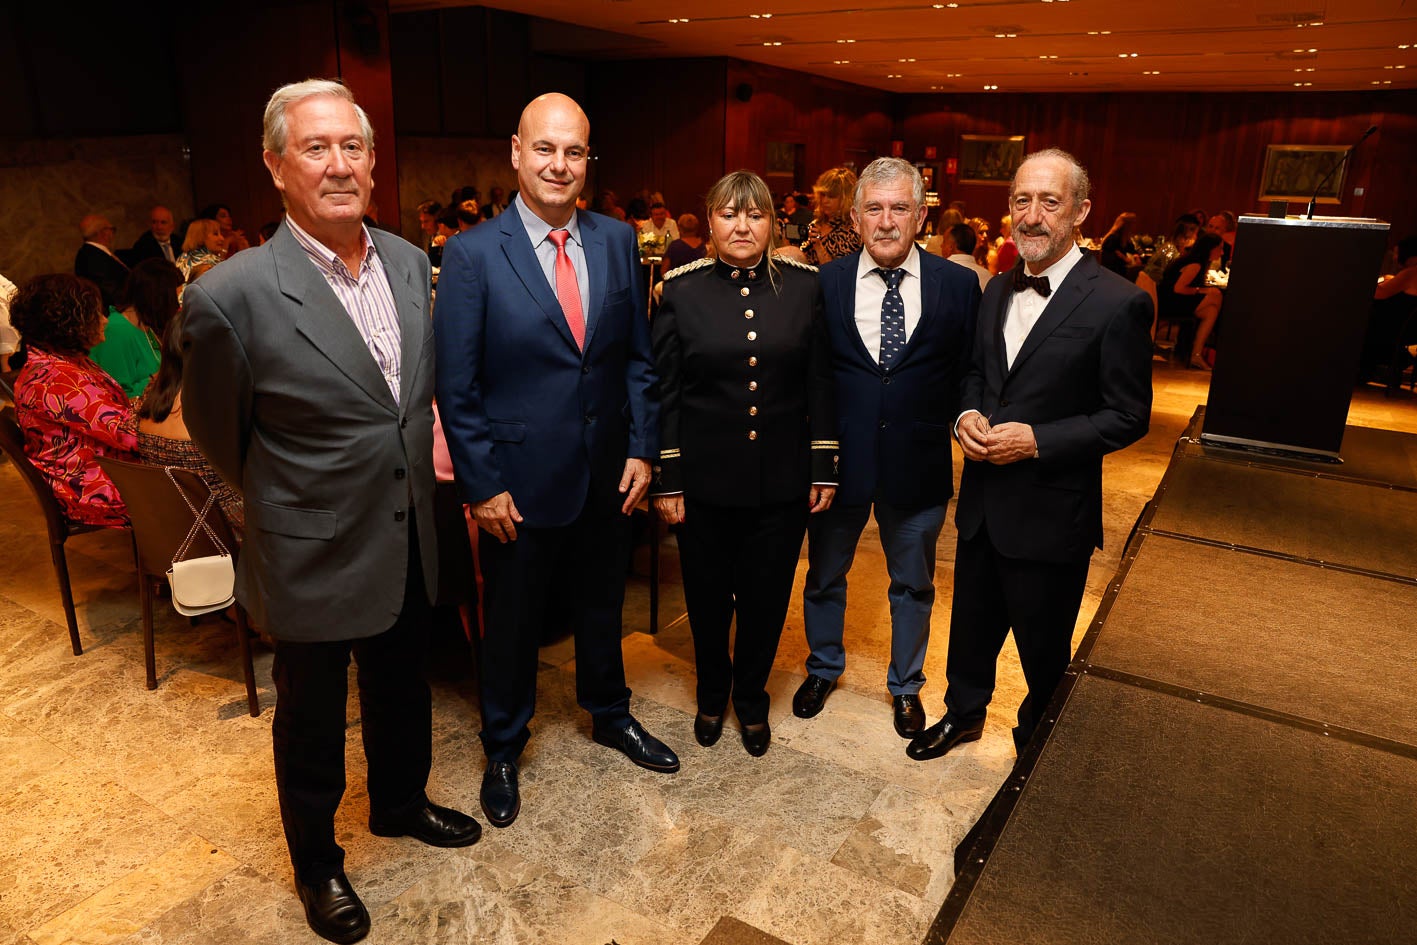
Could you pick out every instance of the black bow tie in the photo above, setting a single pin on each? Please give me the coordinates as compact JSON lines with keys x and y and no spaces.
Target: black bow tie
{"x":1022,"y":280}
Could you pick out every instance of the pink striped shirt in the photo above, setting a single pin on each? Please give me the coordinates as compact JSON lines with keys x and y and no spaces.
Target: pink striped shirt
{"x":367,"y":298}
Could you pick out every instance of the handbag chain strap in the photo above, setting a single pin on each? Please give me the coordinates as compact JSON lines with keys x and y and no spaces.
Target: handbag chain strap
{"x":200,"y":519}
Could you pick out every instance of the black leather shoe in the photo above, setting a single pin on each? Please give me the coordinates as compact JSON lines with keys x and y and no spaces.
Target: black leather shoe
{"x":909,"y":716}
{"x":940,"y":738}
{"x":333,"y":909}
{"x":639,"y":746}
{"x":707,"y":728}
{"x":811,"y":696}
{"x":501,"y":799}
{"x":434,"y":825}
{"x":756,"y":739}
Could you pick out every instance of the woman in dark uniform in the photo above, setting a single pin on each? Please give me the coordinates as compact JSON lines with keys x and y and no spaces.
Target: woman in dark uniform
{"x":748,"y":444}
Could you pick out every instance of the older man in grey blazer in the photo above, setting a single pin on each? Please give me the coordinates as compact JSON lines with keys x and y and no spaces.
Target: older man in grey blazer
{"x":308,"y":383}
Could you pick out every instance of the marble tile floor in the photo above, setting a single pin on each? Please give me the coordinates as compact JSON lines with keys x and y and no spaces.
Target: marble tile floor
{"x":129,"y":816}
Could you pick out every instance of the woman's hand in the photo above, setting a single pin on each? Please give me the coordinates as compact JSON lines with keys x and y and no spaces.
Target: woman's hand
{"x":670,"y":508}
{"x":820,"y":498}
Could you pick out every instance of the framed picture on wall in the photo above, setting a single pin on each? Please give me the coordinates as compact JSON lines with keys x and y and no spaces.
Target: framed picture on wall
{"x":781,"y":158}
{"x":1292,"y":171}
{"x":927,"y":173}
{"x":989,"y":159}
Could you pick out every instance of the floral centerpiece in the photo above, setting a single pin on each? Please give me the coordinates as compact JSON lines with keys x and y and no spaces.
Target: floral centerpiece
{"x":652,"y":243}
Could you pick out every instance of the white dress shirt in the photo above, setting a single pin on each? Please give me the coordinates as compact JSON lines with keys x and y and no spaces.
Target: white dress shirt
{"x":967,"y":261}
{"x":871,"y":292}
{"x":1025,"y":307}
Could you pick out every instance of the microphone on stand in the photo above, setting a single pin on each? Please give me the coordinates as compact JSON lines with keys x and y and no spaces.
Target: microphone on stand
{"x":1336,"y":168}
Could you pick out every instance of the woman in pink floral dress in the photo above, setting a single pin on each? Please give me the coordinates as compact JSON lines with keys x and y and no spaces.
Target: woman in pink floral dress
{"x":70,"y":409}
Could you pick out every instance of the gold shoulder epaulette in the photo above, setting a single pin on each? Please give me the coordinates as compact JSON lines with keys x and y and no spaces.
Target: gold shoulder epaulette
{"x":793,"y":262}
{"x":688,"y":267}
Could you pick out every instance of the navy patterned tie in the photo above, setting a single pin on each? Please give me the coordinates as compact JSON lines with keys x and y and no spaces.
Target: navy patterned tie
{"x":892,"y":317}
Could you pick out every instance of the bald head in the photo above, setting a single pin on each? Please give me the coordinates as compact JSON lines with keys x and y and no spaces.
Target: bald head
{"x":95,"y":228}
{"x":549,"y":152}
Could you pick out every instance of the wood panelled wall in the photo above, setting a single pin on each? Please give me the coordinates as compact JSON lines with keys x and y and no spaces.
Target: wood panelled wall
{"x":1160,"y":155}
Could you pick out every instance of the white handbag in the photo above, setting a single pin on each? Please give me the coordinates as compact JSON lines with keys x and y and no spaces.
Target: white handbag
{"x":200,"y":585}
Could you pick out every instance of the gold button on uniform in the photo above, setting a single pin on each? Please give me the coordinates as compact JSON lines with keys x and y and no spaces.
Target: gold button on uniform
{"x":748,"y":313}
{"x":752,"y":434}
{"x":752,"y":336}
{"x":743,"y":291}
{"x":752,"y":411}
{"x":752,"y":362}
{"x":752,"y":385}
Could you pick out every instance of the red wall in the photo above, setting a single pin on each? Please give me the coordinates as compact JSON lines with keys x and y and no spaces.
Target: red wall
{"x":1160,"y":155}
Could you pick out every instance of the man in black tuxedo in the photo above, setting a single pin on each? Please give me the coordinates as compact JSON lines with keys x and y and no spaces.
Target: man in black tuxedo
{"x":156,"y":241}
{"x":96,"y":260}
{"x":1061,"y":375}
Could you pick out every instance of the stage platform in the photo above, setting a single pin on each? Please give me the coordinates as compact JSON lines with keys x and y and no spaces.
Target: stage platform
{"x":1233,"y":755}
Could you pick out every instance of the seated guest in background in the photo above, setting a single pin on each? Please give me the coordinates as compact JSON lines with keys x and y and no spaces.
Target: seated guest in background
{"x":983,"y":249}
{"x":741,"y":470}
{"x":663,"y":228}
{"x":266,"y":232}
{"x":163,"y":439}
{"x":1005,"y":250}
{"x":428,"y":212}
{"x":204,"y":244}
{"x":795,"y":210}
{"x":1392,"y":323}
{"x":156,"y":241}
{"x":131,"y":349}
{"x":688,"y":247}
{"x":637,"y":213}
{"x":1117,"y":251}
{"x":1183,"y":292}
{"x":957,"y":244}
{"x":469,"y":214}
{"x":831,"y":235}
{"x":445,"y":228}
{"x":96,"y":260}
{"x":235,"y":239}
{"x":70,"y":410}
{"x":1223,"y":225}
{"x":496,"y":203}
{"x":9,"y":338}
{"x":948,"y":217}
{"x":1166,"y":251}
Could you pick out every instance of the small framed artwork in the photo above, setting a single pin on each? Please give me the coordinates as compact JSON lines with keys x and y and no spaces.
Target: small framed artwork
{"x":1293,"y":171}
{"x":989,"y":159}
{"x":781,"y":158}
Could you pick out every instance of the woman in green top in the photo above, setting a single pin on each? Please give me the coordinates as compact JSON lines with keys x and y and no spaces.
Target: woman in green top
{"x":130,"y":350}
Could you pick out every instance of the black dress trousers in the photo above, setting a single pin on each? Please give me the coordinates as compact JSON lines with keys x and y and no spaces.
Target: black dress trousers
{"x":738,"y":562}
{"x":308,"y":730}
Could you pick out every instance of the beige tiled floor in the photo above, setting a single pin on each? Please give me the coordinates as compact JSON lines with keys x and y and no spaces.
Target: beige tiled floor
{"x":150,"y":817}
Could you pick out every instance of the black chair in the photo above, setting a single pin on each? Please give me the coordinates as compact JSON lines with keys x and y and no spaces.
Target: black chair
{"x":12,"y":441}
{"x":161,"y":521}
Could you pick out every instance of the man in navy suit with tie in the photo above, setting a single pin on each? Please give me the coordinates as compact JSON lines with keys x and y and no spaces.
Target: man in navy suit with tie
{"x":901,"y":324}
{"x":546,"y":394}
{"x":1060,"y":376}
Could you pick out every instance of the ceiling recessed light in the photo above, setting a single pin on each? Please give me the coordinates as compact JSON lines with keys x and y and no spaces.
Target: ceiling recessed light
{"x":991,"y":88}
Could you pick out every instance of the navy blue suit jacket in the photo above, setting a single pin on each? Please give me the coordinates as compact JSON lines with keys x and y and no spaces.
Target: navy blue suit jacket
{"x":1082,"y":379}
{"x":523,"y":409}
{"x":895,"y":425}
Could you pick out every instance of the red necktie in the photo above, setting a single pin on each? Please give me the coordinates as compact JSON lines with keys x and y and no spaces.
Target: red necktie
{"x":568,"y":290}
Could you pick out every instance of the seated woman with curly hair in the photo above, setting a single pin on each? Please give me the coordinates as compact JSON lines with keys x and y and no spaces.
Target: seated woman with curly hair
{"x":163,"y":439}
{"x":70,"y":409}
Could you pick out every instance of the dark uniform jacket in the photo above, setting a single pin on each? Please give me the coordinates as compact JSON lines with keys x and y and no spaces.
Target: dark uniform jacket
{"x":747,"y":404}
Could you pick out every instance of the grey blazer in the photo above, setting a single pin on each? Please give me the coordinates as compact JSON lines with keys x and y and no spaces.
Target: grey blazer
{"x":284,"y":398}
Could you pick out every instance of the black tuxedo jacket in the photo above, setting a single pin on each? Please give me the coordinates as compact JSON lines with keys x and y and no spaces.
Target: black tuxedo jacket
{"x":147,"y":248}
{"x":1082,"y":380}
{"x":109,"y":274}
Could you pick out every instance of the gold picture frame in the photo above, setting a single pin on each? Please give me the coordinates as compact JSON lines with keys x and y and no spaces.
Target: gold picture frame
{"x":989,"y":159}
{"x":1292,"y":171}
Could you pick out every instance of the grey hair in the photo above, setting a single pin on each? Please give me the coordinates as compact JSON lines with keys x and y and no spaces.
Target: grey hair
{"x":1082,"y":185}
{"x":889,"y":170}
{"x":273,"y":127}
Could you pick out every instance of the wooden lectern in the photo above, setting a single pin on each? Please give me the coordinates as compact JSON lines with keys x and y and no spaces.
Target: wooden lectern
{"x":1295,"y":313}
